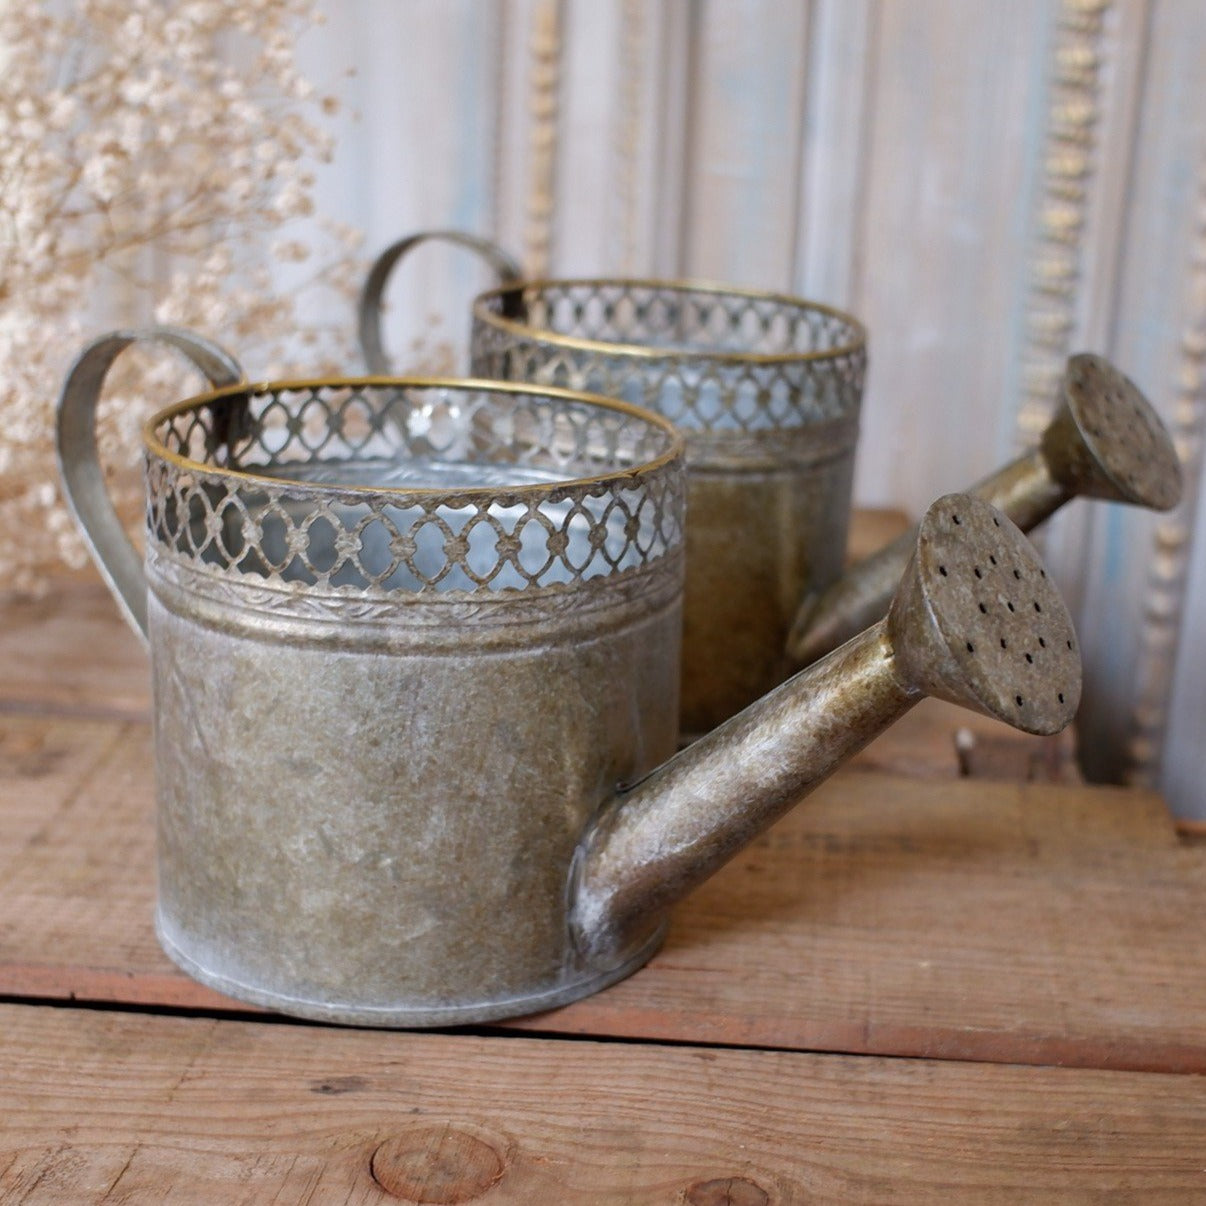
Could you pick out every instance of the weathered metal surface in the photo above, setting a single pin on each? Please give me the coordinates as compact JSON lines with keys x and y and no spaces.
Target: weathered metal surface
{"x":79,"y":463}
{"x":1105,"y":441}
{"x":766,"y":390}
{"x":391,"y":719}
{"x":383,"y":715}
{"x":974,"y":621}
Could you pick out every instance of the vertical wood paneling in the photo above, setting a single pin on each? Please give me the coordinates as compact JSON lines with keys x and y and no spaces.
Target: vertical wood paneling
{"x":545,"y":127}
{"x":1164,"y":616}
{"x":512,"y":148}
{"x":1084,"y":166}
{"x":1181,"y":778}
{"x":833,"y":181}
{"x":588,"y":198}
{"x":1154,"y":304}
{"x":671,"y":64}
{"x":648,"y":139}
{"x":746,"y":139}
{"x":943,"y":231}
{"x":414,"y":149}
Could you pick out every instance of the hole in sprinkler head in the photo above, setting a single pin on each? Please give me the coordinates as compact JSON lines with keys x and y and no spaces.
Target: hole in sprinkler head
{"x":1011,"y":607}
{"x":1036,"y":606}
{"x":1030,"y":659}
{"x":1061,"y":697}
{"x":991,"y":559}
{"x":983,"y":609}
{"x":977,"y":571}
{"x":1019,"y":700}
{"x":942,"y":570}
{"x":1069,"y":644}
{"x":1042,"y":642}
{"x":970,"y":647}
{"x":1004,"y":643}
{"x":956,"y":519}
{"x":996,"y":521}
{"x":1017,"y":574}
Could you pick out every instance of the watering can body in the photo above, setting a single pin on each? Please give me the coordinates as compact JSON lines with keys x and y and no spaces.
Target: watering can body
{"x":371,"y":822}
{"x":385,"y":716}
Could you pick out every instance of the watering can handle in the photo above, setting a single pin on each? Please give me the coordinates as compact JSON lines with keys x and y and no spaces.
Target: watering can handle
{"x":368,"y":309}
{"x":79,"y":463}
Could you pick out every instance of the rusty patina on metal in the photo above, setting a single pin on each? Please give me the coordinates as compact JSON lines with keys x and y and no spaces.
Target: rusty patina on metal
{"x":408,"y":640}
{"x":1105,"y":441}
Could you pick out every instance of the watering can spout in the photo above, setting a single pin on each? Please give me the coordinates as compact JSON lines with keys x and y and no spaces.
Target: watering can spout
{"x":1104,"y":441}
{"x":975,"y":621}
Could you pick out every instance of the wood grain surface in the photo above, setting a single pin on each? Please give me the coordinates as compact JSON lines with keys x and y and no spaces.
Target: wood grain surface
{"x":111,"y":1107}
{"x":1009,"y":922}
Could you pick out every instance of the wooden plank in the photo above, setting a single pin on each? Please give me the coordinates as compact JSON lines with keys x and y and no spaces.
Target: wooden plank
{"x":941,"y":238}
{"x":1004,"y":922}
{"x":71,"y":653}
{"x":107,"y":1107}
{"x":746,"y":135}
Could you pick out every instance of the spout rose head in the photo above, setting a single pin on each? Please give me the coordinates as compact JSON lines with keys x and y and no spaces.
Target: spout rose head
{"x":1107,"y":441}
{"x":977,"y":621}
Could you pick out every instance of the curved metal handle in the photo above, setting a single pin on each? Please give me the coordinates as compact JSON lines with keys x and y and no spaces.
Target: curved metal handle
{"x":368,"y":308}
{"x":79,"y":463}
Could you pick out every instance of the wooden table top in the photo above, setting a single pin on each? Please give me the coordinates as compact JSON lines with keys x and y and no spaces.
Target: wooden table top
{"x":919,"y":986}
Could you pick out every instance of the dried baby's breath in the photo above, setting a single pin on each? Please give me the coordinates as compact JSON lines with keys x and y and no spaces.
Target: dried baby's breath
{"x":157,"y":164}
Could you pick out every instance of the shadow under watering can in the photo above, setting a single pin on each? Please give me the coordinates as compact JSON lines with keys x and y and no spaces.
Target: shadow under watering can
{"x":415,"y":653}
{"x":764,"y":388}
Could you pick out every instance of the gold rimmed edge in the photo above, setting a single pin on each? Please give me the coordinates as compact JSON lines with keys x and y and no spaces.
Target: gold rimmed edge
{"x":155,"y":447}
{"x":640,"y":351}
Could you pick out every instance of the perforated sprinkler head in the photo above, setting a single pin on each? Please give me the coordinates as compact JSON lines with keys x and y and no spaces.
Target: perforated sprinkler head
{"x":975,"y":620}
{"x":978,"y":622}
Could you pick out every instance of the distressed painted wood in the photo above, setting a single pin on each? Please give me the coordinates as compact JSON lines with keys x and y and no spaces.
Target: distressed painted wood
{"x":745,"y":143}
{"x":415,"y":142}
{"x":1157,"y":336}
{"x":108,"y":1107}
{"x":941,"y":232}
{"x":973,"y":920}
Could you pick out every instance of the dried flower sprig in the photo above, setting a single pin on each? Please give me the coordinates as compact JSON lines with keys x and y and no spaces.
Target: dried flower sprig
{"x":157,"y":164}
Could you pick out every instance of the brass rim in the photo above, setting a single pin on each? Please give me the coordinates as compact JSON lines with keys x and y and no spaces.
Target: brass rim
{"x":512,"y":326}
{"x":156,"y":448}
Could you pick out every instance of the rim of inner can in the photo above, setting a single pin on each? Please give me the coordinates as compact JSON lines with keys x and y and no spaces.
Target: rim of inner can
{"x":675,"y":446}
{"x":675,"y":351}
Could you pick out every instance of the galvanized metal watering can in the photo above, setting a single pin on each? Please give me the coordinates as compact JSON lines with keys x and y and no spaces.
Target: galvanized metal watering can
{"x":766,"y":390}
{"x":414,"y":648}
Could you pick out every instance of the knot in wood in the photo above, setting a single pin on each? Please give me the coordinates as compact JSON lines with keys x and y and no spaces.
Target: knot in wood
{"x":726,"y":1191}
{"x":441,"y":1164}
